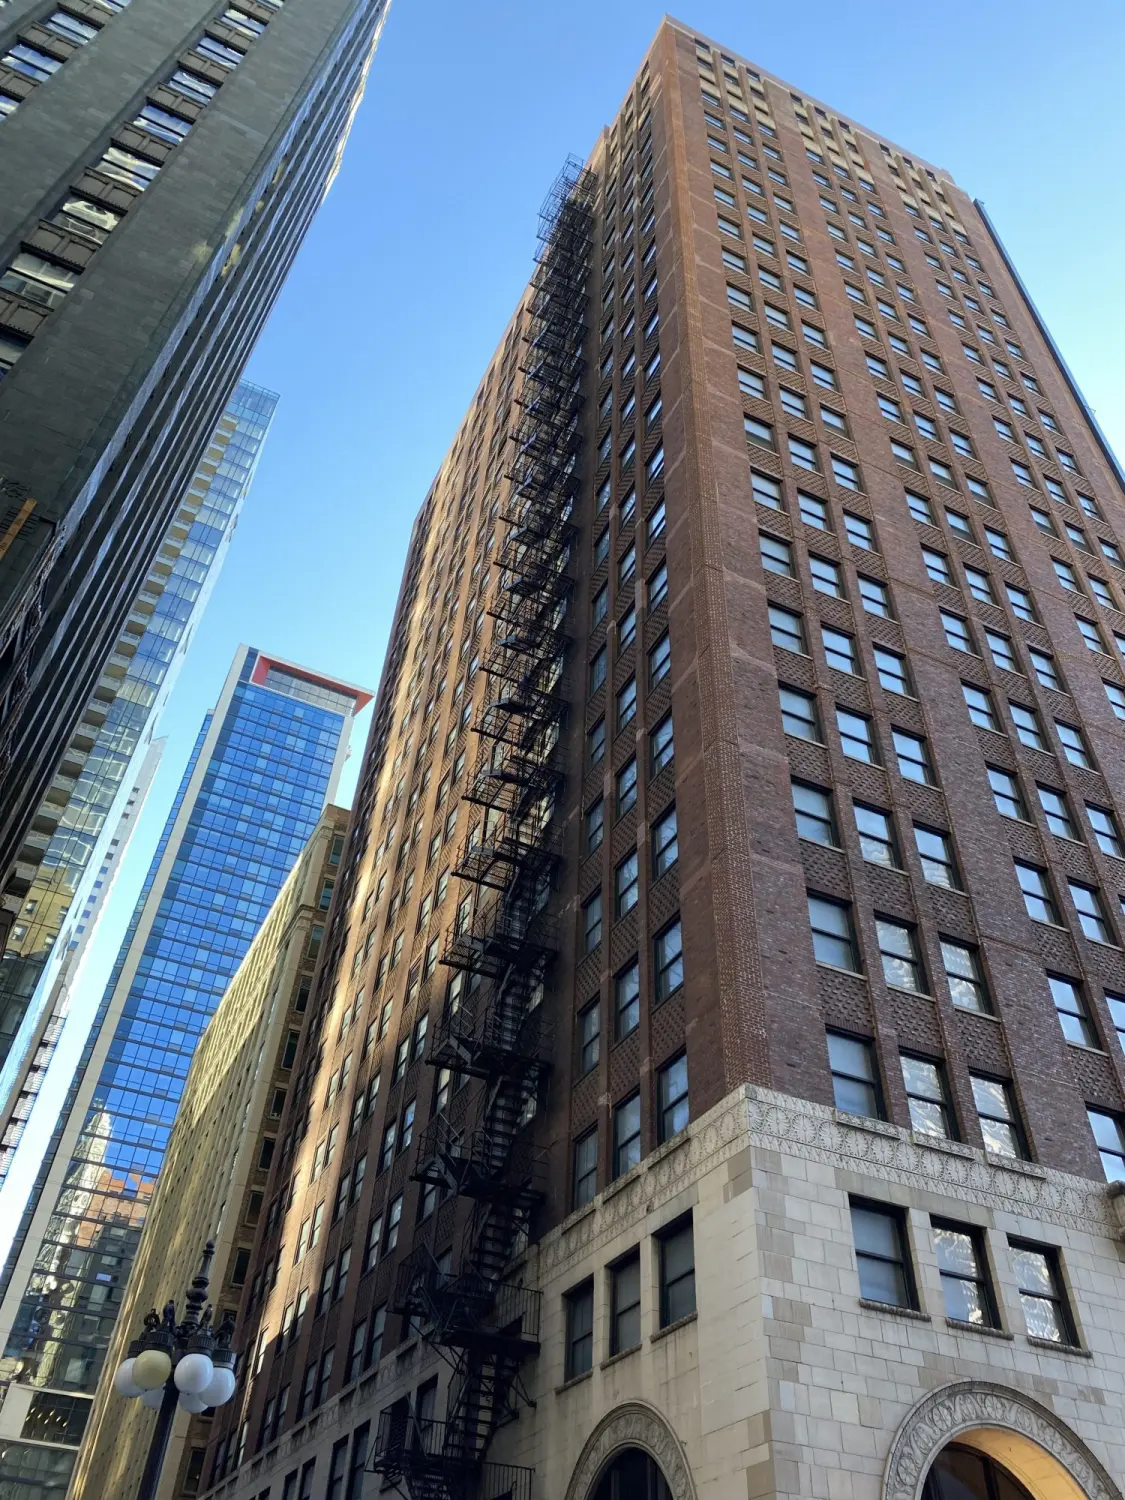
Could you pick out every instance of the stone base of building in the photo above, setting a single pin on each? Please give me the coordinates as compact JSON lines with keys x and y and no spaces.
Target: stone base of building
{"x":785,"y":1382}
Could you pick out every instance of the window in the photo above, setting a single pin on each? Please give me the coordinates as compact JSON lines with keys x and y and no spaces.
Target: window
{"x":912,"y":757}
{"x":840,"y":650}
{"x":1109,"y":1136}
{"x":1042,"y":1298}
{"x":657,"y":588}
{"x":585,"y":1168}
{"x":625,"y":887}
{"x":857,"y":736}
{"x":874,"y":597}
{"x":812,"y":808}
{"x":1020,"y":600}
{"x":777,"y":556}
{"x":1057,"y":812}
{"x":579,"y":1330}
{"x":1001,"y":648}
{"x":595,"y":743}
{"x":794,"y":403}
{"x":597,"y":670}
{"x":626,"y":787}
{"x":833,"y":938}
{"x":595,"y":826}
{"x":1106,"y":831}
{"x":665,"y":844}
{"x":900,"y":954}
{"x":661,"y":745}
{"x":876,"y":836}
{"x":998,"y":543}
{"x":1091,"y":913}
{"x":1026,"y":722}
{"x":892,"y":671}
{"x":937,"y":566}
{"x":659,"y":662}
{"x":626,"y":1001}
{"x":860,"y":531}
{"x":1070,"y":1006}
{"x":592,"y":923}
{"x":813,"y":512}
{"x":786,"y":629}
{"x":880,"y":1253}
{"x":957,"y":632}
{"x":626,"y":1135}
{"x":803,"y":454}
{"x":799,"y":714}
{"x":1074,"y":745}
{"x":751,"y":384}
{"x":927,"y":1097}
{"x":672,"y":1098}
{"x":589,"y":1036}
{"x":1037,"y":895}
{"x":826,"y":578}
{"x":626,"y":704}
{"x":758,"y":432}
{"x":668,"y":961}
{"x":965,"y":1284}
{"x":766,"y":491}
{"x":625,"y":1304}
{"x":845,"y":473}
{"x":935,"y":851}
{"x":1043,"y":665}
{"x":999,"y":1119}
{"x":744,"y":338}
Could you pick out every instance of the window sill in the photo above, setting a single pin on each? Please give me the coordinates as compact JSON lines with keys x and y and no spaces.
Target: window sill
{"x":910,"y":1313}
{"x":865,"y":1122}
{"x":615,"y":1359}
{"x":961,"y":1326}
{"x":1014,"y":1164}
{"x":1076,"y":1349}
{"x":578,"y":1215}
{"x":407,"y":1348}
{"x":568,"y":1385}
{"x":942,"y":1143}
{"x":619,"y":1184}
{"x":662,"y":1333}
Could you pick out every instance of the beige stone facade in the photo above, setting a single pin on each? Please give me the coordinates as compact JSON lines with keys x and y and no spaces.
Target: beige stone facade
{"x":785,"y":1382}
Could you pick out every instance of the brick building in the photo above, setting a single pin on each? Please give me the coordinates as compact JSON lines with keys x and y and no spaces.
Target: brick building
{"x":715,"y":1055}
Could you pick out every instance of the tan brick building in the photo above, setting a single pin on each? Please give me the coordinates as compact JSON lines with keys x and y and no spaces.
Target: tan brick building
{"x":715,"y":1059}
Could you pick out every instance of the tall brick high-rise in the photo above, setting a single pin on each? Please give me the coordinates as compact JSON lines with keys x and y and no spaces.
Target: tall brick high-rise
{"x":715,"y":1051}
{"x":161,"y":163}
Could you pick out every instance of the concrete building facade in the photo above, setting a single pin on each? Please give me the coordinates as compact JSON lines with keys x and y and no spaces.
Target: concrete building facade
{"x":730,"y":929}
{"x":162,"y":161}
{"x":211,"y":1186}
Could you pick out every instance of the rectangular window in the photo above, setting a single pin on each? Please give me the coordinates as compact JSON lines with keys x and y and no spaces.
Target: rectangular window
{"x":589,"y":1037}
{"x":935,"y":851}
{"x":1074,"y":745}
{"x":625,"y":886}
{"x":626,"y":787}
{"x":876,"y":836}
{"x":799,"y":715}
{"x":857,"y":736}
{"x":833,"y":938}
{"x":668,"y":961}
{"x":626,"y":1001}
{"x":579,"y":1330}
{"x":901,"y":956}
{"x":892,"y":671}
{"x":812,"y":808}
{"x":661,"y":745}
{"x":879,"y":1234}
{"x":1091,"y":913}
{"x":855,"y":1083}
{"x":672,"y":1098}
{"x":625,"y":1305}
{"x":626,"y":1135}
{"x":1039,"y":1279}
{"x":1072,"y":1011}
{"x":659,"y":663}
{"x":1037,"y":894}
{"x":998,"y":1116}
{"x":963,"y":1268}
{"x":927,"y":1097}
{"x":585,"y":1168}
{"x":1109,"y":1136}
{"x":839,"y":650}
{"x":964,"y":976}
{"x":912,"y":757}
{"x":677,"y":1273}
{"x":665,"y":844}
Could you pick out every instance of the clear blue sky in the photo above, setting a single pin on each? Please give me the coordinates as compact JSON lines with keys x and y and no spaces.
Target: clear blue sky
{"x":415,"y":263}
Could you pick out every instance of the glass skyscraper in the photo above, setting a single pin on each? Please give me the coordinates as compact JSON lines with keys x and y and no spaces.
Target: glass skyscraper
{"x":264,"y":764}
{"x":148,"y":655}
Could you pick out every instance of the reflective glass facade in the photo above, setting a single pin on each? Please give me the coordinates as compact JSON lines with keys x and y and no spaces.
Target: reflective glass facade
{"x":160,"y":627}
{"x":261,"y":771}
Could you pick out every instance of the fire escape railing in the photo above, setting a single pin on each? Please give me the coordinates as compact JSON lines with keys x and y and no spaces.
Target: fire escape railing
{"x":493,"y":1026}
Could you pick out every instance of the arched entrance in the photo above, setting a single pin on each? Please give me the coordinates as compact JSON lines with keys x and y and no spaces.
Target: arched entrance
{"x":632,"y":1454}
{"x":1010,"y":1444}
{"x":633,"y":1475}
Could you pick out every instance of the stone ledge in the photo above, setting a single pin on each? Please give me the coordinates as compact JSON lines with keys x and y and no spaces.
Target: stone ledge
{"x":866,"y":1122}
{"x":942,"y":1143}
{"x":662,"y":1333}
{"x":568,"y":1385}
{"x":911,"y":1313}
{"x":1015,"y":1164}
{"x":1076,"y":1349}
{"x":962,"y":1326}
{"x":615,"y":1359}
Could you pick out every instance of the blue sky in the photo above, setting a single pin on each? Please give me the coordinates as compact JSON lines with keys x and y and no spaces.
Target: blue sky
{"x":417,"y":258}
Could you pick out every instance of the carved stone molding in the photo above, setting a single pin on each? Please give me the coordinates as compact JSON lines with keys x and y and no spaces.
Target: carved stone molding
{"x":955,"y":1409}
{"x":635,"y":1424}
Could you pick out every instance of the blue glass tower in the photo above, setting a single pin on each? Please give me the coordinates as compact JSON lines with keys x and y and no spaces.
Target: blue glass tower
{"x":265,"y":763}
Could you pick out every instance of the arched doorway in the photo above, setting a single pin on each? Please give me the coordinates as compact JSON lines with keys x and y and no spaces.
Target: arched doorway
{"x":635,"y":1475}
{"x":980,"y":1440}
{"x":963,"y":1473}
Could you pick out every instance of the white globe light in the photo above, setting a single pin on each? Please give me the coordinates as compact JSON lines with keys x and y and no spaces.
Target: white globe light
{"x":221,"y":1389}
{"x":193,"y":1374}
{"x":123,"y":1382}
{"x":151,"y":1369}
{"x":192,"y":1403}
{"x":153,"y":1399}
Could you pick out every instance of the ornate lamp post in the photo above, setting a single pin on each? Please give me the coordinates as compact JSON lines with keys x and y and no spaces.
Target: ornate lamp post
{"x":189,"y":1364}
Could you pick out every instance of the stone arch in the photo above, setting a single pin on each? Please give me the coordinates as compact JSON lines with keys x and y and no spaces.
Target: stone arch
{"x":633,"y":1424}
{"x":1027,"y":1439}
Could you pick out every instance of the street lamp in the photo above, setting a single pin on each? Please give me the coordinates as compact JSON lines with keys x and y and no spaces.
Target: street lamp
{"x":189,"y":1364}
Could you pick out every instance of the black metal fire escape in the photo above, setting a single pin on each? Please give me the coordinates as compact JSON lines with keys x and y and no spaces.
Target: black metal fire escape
{"x":492,"y":1027}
